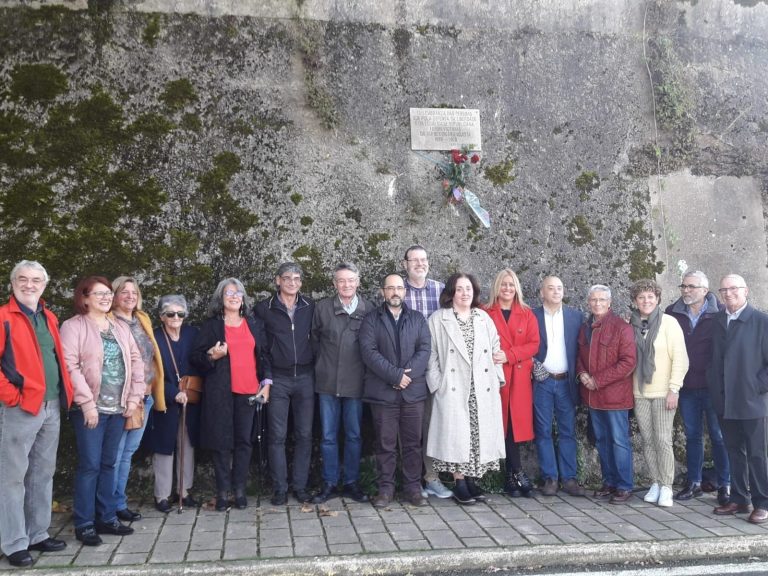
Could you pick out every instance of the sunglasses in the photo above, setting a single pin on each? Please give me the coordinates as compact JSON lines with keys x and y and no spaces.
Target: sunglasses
{"x":175,"y":314}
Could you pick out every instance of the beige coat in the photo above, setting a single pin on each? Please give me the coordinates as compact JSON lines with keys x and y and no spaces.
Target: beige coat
{"x":448,"y":377}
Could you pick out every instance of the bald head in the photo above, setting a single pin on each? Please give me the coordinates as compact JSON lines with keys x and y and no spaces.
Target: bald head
{"x":551,"y":292}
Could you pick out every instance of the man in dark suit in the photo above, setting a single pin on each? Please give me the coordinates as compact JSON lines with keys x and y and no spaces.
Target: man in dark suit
{"x":738,"y":385}
{"x":558,"y":394}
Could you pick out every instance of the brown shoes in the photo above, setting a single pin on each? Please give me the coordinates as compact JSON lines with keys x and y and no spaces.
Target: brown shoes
{"x":732,"y":508}
{"x":604,"y":492}
{"x":572,"y":488}
{"x":415,"y":499}
{"x":758,"y":516}
{"x":382,"y":500}
{"x":620,"y":496}
{"x":550,"y":487}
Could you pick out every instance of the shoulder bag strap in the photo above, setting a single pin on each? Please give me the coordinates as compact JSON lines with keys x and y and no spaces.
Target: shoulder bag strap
{"x":173,"y":358}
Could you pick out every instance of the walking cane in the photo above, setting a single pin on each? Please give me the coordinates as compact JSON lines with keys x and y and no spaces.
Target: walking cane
{"x":180,"y":471}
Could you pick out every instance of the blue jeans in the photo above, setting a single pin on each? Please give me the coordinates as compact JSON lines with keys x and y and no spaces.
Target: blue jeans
{"x":129,"y":443}
{"x":297,"y":394}
{"x":334,"y":411}
{"x":611,"y":429}
{"x":96,"y":467}
{"x":552,"y":399}
{"x":694,"y":405}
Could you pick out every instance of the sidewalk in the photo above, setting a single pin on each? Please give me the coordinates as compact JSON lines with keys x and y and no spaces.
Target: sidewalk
{"x":352,"y":538}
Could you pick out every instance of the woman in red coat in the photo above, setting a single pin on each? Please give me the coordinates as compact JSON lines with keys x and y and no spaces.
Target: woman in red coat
{"x":519,"y":336}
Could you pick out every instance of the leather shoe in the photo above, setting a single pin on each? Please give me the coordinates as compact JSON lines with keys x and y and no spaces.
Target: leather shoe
{"x":416,"y":499}
{"x":113,"y":527}
{"x":691,"y":490}
{"x":302,"y":496}
{"x":604,"y":492}
{"x":723,"y":495}
{"x":550,"y":487}
{"x":20,"y":558}
{"x":163,"y":506}
{"x":732,"y":508}
{"x":279,"y":499}
{"x":241,"y":502}
{"x":88,"y":536}
{"x":382,"y":500}
{"x":128,"y":515}
{"x":758,"y":516}
{"x":329,"y":491}
{"x":222,"y":504}
{"x":48,"y":545}
{"x":572,"y":488}
{"x":353,"y":491}
{"x":620,"y":496}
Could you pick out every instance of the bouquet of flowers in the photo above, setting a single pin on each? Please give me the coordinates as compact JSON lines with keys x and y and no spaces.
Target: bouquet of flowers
{"x":456,"y":172}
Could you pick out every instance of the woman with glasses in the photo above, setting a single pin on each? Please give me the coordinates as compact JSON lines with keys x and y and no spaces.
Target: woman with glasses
{"x":166,"y":434}
{"x":662,"y":362}
{"x":126,"y":308}
{"x":107,"y":375}
{"x":229,"y":353}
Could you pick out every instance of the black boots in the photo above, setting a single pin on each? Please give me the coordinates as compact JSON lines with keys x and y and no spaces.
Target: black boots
{"x":474,"y":489}
{"x":461,"y":493}
{"x":518,"y":484}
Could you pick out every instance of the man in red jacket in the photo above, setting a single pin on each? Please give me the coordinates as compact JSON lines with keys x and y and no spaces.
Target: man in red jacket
{"x":34,"y":385}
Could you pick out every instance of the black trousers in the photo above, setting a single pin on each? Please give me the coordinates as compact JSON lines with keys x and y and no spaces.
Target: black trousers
{"x":231,"y":466}
{"x":747,"y":444}
{"x":389,"y":422}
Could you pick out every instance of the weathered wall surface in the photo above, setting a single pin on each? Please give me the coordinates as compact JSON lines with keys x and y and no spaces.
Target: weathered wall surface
{"x":182,"y":141}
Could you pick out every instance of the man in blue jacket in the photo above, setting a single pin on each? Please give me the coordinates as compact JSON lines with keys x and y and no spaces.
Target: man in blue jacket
{"x":287,"y":318}
{"x":695,"y":312}
{"x":395,"y":345}
{"x":558,"y":394}
{"x":738,"y":385}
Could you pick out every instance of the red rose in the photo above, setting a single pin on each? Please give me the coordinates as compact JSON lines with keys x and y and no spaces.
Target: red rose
{"x":475,"y":159}
{"x":456,"y":156}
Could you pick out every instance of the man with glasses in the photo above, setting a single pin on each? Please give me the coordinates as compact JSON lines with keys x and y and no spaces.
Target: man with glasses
{"x":422,"y":294}
{"x":287,"y":317}
{"x":738,"y":385}
{"x":606,"y":359}
{"x":695,"y":311}
{"x":34,"y":386}
{"x":339,"y":371}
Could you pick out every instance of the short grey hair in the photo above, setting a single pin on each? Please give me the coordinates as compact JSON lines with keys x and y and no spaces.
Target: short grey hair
{"x":698,"y":274}
{"x":33,"y":264}
{"x":171,"y":300}
{"x":737,"y":278}
{"x":600,"y":288}
{"x":291,"y":267}
{"x":216,"y":307}
{"x":346,"y":266}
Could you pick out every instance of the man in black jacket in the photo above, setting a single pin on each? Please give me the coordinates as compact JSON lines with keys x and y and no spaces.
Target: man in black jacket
{"x":738,"y":385}
{"x":287,"y":317}
{"x":395,"y":346}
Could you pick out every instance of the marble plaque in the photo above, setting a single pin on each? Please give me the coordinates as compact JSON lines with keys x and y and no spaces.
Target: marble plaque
{"x":444,"y":128}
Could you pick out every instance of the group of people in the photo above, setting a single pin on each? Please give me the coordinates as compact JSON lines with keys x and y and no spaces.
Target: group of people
{"x":454,"y":385}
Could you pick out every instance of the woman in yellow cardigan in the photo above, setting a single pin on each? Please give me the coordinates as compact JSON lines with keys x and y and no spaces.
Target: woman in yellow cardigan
{"x":662,"y":362}
{"x":126,"y":308}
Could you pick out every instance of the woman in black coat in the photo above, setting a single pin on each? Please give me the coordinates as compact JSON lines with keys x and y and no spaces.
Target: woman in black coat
{"x":164,"y":433}
{"x":229,"y":353}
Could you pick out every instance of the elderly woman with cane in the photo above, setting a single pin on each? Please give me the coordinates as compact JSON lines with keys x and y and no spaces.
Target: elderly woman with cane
{"x":176,"y":429}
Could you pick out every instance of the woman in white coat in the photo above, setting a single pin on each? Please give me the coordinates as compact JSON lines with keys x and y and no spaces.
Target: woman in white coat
{"x":466,"y":434}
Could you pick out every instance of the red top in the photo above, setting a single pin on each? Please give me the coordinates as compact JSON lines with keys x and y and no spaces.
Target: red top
{"x":242,"y":358}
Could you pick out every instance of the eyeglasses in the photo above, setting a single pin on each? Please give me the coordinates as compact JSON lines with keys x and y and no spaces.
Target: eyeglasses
{"x":394,"y":288}
{"x":730,"y":289}
{"x":233,"y":293}
{"x":291,"y":279}
{"x":33,"y":281}
{"x":598,"y":300}
{"x":689,"y":287}
{"x":102,"y":295}
{"x":417,"y":260}
{"x":175,"y":314}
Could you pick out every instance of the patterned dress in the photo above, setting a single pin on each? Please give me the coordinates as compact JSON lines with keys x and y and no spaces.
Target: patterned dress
{"x":472,"y":468}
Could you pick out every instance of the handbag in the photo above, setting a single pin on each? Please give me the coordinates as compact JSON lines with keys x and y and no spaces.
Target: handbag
{"x":539,"y":372}
{"x":136,"y":419}
{"x":192,"y":386}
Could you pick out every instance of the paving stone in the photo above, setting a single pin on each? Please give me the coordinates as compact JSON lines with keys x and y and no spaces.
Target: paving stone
{"x":204,"y":555}
{"x":442,"y":539}
{"x":629,"y":531}
{"x":350,"y":548}
{"x":310,"y":527}
{"x":129,"y":559}
{"x":47,"y":560}
{"x":490,"y":520}
{"x":185,"y":518}
{"x":381,"y":542}
{"x":369,"y":525}
{"x":240,"y":530}
{"x":724,"y":530}
{"x":210,"y":524}
{"x":453,"y":513}
{"x":275,"y":522}
{"x":396,"y":516}
{"x":603,"y":516}
{"x":148,"y":525}
{"x":665,"y":534}
{"x":175,"y":533}
{"x":480,"y":542}
{"x":507,"y":537}
{"x":414,"y":545}
{"x":528,"y":526}
{"x":277,"y":552}
{"x":366,"y":510}
{"x":92,"y":558}
{"x":467,"y":529}
{"x":136,"y":543}
{"x":273,"y":538}
{"x":547,"y":518}
{"x":542,"y":538}
{"x":405,"y":532}
{"x":645,"y":523}
{"x":339,"y":535}
{"x":170,"y":552}
{"x":566,"y":510}
{"x":432,"y":522}
{"x":572,"y":536}
{"x":605,"y":537}
{"x":510,"y":512}
{"x":206,"y":541}
{"x":688,"y":529}
{"x":529,"y":504}
{"x":309,"y":546}
{"x":240,"y":549}
{"x":700,"y":520}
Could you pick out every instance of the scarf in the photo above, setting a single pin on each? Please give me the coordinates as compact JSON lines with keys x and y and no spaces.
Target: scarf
{"x":645,"y":337}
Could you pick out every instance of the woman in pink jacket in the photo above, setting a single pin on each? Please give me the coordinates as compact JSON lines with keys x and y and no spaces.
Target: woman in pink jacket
{"x":107,"y":374}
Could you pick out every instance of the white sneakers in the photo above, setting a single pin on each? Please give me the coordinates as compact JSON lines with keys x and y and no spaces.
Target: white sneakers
{"x":661,"y":495}
{"x":653,"y":494}
{"x":436,"y":488}
{"x":665,"y":497}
